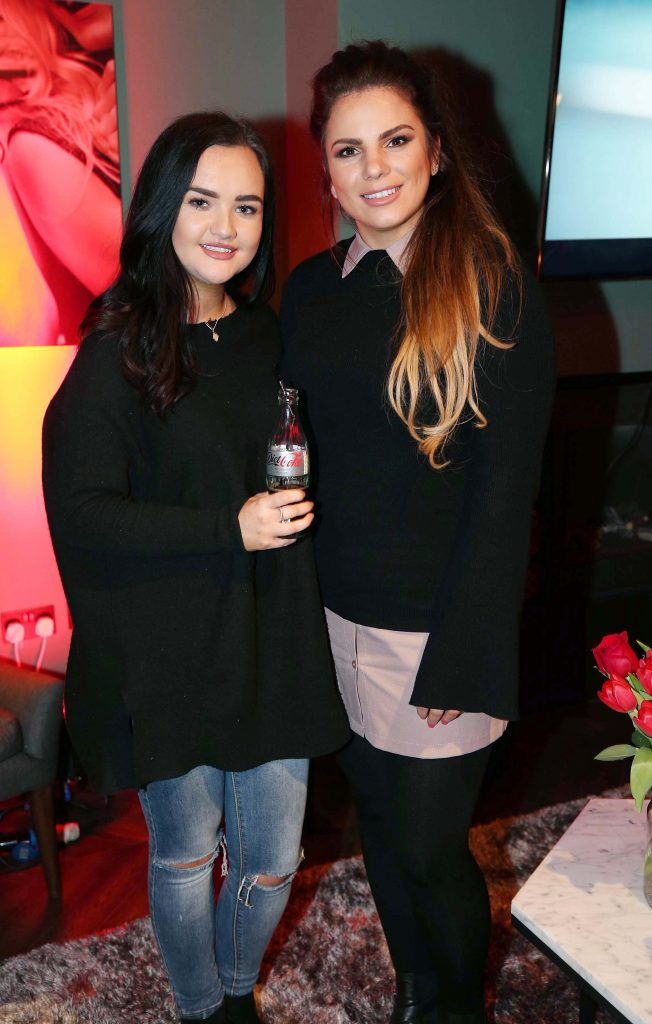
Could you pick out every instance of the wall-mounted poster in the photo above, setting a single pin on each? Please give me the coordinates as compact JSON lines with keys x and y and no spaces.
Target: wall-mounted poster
{"x":60,"y":210}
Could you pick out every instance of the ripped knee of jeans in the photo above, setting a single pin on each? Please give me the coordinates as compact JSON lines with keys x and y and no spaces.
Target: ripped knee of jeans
{"x":221,"y":846}
{"x":267,"y":882}
{"x":206,"y":861}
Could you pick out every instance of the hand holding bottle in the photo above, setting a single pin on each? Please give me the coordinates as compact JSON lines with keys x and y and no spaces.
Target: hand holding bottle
{"x":273,"y":520}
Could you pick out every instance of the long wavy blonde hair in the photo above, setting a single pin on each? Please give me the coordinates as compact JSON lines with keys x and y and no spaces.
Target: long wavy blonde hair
{"x":59,"y":85}
{"x":456,"y":260}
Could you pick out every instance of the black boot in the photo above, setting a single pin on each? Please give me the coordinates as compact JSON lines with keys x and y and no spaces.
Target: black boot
{"x":414,"y":1002}
{"x":217,"y":1017}
{"x":241,"y":1010}
{"x":450,"y":1017}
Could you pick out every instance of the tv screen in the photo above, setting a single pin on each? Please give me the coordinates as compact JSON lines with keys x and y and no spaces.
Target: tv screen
{"x":596,"y":218}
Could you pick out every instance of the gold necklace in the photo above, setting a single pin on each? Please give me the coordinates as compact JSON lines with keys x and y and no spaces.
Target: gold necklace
{"x":213,"y":327}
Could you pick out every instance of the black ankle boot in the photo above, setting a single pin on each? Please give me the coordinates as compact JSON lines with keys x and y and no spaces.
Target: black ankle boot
{"x":414,"y":1002}
{"x":241,"y":1010}
{"x":217,"y":1017}
{"x":450,"y":1017}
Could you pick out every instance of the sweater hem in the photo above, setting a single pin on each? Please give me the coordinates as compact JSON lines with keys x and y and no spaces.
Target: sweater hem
{"x":228,"y":764}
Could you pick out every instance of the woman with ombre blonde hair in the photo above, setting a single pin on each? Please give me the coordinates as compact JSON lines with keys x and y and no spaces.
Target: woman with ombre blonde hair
{"x":425,"y":356}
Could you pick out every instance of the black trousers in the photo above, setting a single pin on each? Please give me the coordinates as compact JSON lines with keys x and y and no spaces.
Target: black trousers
{"x":414,"y":817}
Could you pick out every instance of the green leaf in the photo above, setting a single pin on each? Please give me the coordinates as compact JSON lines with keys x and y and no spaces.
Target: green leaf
{"x":637,"y":687}
{"x":643,"y":646}
{"x":636,"y":684}
{"x":641,"y":775}
{"x":639,"y":739}
{"x":616,"y":753}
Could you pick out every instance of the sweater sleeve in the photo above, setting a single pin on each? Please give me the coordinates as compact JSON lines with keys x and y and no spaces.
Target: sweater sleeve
{"x":470,"y":662}
{"x":88,"y":448}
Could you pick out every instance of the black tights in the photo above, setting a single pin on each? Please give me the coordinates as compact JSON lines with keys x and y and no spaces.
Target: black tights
{"x":414,"y":816}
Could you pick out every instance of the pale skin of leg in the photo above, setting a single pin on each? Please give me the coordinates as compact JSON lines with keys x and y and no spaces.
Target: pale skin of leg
{"x":270,"y":880}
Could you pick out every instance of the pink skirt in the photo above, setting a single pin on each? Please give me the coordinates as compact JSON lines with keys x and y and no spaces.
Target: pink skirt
{"x":376,"y":669}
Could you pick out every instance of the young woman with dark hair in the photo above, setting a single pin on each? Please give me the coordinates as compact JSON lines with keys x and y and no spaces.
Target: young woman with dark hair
{"x":199,"y":668}
{"x":425,"y":356}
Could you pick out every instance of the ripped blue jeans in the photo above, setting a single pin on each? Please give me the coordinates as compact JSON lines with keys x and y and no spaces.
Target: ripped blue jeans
{"x":208,"y":950}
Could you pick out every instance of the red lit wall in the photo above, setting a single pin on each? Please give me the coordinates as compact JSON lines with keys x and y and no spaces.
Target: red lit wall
{"x":311,"y":36}
{"x":28,"y":575}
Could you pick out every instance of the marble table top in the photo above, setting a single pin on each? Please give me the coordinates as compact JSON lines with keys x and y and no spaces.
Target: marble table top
{"x":585,"y":902}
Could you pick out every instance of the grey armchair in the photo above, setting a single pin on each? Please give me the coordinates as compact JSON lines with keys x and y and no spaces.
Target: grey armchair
{"x":30,"y":720}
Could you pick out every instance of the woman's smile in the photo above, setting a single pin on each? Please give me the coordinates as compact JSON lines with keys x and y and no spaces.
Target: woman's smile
{"x":383,"y":197}
{"x":218,"y":252}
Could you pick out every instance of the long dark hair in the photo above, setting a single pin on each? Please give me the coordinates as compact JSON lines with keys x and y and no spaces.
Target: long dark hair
{"x":152,"y":296}
{"x":456,"y":258}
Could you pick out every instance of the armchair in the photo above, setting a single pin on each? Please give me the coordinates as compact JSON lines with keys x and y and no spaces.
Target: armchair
{"x":31,"y":706}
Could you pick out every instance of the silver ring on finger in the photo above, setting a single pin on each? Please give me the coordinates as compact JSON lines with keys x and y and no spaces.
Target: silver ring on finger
{"x":281,"y":517}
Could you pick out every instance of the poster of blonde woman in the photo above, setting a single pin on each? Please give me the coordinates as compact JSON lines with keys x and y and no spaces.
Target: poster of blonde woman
{"x":60,"y":210}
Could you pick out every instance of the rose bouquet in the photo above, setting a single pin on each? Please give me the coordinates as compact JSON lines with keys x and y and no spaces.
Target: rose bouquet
{"x":628,"y":689}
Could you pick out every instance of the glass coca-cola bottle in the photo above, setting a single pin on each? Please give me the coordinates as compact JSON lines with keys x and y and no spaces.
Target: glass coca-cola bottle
{"x":287,"y":451}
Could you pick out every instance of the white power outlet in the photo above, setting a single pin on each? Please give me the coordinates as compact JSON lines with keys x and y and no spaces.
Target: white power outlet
{"x":27,"y":618}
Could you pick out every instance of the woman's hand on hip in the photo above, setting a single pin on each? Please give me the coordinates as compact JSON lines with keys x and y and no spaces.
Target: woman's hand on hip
{"x":434,"y":715}
{"x":273,"y":520}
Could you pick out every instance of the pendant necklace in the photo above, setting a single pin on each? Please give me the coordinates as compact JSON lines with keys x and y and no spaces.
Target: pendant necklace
{"x":213,"y":326}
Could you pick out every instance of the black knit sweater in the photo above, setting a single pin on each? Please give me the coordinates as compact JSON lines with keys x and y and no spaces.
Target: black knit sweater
{"x":186,"y":649}
{"x":400,"y":545}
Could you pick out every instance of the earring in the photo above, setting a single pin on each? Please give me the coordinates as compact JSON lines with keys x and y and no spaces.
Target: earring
{"x":333,"y":192}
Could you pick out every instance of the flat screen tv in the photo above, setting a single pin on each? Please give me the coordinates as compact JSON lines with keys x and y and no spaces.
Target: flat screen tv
{"x":596,"y":210}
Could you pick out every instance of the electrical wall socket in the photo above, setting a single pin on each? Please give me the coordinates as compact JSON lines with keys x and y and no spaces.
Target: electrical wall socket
{"x":28,"y":617}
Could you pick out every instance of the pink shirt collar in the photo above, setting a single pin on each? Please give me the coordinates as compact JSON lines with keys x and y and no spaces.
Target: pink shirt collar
{"x":359,"y":248}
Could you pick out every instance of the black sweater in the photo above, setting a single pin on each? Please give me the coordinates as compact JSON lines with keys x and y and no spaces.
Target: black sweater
{"x":400,"y":545}
{"x":186,"y":649}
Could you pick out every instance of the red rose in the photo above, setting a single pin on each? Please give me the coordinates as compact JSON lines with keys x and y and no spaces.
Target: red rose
{"x":614,"y":656}
{"x":644,"y":717}
{"x":617,"y":694}
{"x":644,"y":673}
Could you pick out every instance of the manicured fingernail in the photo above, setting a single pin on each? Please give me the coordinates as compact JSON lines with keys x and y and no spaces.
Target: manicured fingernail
{"x":431,"y":725}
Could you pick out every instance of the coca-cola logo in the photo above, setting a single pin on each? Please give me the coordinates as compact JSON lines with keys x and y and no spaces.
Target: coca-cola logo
{"x":285,"y":460}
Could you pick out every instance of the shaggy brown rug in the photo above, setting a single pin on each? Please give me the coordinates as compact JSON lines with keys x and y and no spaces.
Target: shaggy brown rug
{"x":328,"y":962}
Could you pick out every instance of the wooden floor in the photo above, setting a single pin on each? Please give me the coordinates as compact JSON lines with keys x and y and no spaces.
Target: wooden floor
{"x":544,"y":759}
